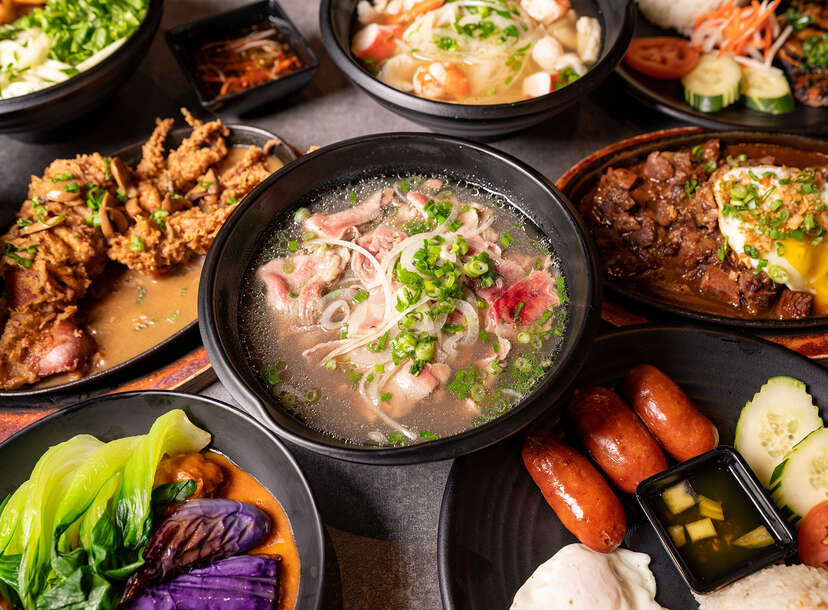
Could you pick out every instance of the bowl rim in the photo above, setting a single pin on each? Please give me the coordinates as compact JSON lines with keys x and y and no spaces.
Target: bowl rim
{"x":148,"y":25}
{"x":104,"y":374}
{"x":312,"y":514}
{"x":389,"y":95}
{"x":274,"y":9}
{"x":542,"y":397}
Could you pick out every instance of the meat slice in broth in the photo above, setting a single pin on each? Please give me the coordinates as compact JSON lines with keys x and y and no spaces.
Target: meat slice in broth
{"x":336,"y":225}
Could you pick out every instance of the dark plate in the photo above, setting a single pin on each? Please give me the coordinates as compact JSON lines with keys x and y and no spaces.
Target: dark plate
{"x":581,"y":178}
{"x":495,"y":526}
{"x":667,"y":97}
{"x":235,"y":434}
{"x":333,"y":166}
{"x":185,"y":41}
{"x":617,"y":17}
{"x":49,"y":108}
{"x":240,"y":135}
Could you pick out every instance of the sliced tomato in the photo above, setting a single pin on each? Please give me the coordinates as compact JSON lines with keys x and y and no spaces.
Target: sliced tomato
{"x":813,"y":537}
{"x":661,"y":56}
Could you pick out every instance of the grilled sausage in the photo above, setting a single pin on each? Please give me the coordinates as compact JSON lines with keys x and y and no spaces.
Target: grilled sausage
{"x":668,"y":413}
{"x":577,"y":492}
{"x":615,"y":437}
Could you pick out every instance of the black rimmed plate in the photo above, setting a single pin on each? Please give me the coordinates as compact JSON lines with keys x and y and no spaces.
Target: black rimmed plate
{"x":186,"y":40}
{"x":666,"y":96}
{"x":582,"y":177}
{"x":235,"y":434}
{"x":164,"y":351}
{"x":495,"y":526}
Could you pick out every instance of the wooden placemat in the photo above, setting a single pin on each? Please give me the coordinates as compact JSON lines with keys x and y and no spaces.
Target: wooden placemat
{"x":189,"y":373}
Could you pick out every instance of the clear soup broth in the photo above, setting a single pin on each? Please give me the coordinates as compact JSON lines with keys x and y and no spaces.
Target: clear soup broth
{"x":403,"y":309}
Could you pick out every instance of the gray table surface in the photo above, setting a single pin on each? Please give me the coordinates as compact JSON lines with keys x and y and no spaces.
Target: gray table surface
{"x":381,"y":521}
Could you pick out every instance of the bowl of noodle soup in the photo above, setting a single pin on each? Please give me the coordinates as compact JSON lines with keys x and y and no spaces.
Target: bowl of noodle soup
{"x":400,"y":298}
{"x":476,"y":68}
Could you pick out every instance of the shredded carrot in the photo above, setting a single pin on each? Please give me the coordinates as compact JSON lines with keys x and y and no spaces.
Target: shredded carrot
{"x":743,"y":28}
{"x":229,"y":66}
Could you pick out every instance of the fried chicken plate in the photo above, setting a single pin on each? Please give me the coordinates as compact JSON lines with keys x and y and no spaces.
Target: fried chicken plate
{"x":86,"y":211}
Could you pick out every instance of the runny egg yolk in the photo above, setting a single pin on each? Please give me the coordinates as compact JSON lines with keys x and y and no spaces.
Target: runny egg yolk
{"x":773,"y":219}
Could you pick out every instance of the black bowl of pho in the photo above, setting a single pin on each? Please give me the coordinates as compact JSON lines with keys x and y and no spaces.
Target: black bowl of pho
{"x":477,"y":68}
{"x":400,"y":298}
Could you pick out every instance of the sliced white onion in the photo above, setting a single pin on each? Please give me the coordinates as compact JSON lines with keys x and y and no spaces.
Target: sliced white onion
{"x":365,"y":339}
{"x":327,"y":322}
{"x":386,"y":284}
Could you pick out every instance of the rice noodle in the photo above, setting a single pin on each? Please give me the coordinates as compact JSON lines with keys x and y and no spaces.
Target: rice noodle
{"x":327,"y":322}
{"x":390,"y":421}
{"x":386,"y":284}
{"x":364,"y":339}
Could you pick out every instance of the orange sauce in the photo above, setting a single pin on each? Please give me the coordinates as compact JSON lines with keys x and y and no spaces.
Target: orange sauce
{"x":241,"y":486}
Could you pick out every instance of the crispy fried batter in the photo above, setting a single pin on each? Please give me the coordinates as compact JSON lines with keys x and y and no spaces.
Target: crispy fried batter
{"x":153,"y":161}
{"x":54,"y":253}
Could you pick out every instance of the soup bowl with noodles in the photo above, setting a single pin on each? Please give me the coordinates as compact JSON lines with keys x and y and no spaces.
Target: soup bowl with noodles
{"x":477,"y":68}
{"x":400,"y":298}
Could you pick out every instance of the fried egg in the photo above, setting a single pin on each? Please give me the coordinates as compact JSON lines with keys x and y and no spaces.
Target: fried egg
{"x":578,"y":577}
{"x":773,"y":219}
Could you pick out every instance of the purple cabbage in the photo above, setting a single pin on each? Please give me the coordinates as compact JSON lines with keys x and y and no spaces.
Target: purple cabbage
{"x":198,"y":533}
{"x":247,"y":582}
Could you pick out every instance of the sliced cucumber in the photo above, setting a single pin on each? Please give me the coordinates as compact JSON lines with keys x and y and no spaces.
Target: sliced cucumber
{"x":713,"y":84}
{"x":780,"y":415}
{"x":766,"y":90}
{"x":800,"y":482}
{"x":755,"y":539}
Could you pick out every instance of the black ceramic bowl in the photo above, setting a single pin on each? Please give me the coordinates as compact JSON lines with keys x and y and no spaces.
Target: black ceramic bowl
{"x":235,"y":434}
{"x":486,"y":121}
{"x":269,"y":206}
{"x":65,"y":102}
{"x":186,"y":40}
{"x":166,"y":350}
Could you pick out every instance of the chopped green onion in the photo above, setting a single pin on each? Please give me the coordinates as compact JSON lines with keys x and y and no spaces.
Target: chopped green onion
{"x":360,"y":296}
{"x":475,"y":268}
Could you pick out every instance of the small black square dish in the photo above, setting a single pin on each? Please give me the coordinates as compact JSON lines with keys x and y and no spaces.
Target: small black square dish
{"x":243,"y":58}
{"x":715,"y":520}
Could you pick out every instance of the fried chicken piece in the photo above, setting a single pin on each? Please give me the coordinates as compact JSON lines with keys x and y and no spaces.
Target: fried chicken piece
{"x":243,"y":177}
{"x":186,"y":233}
{"x":153,"y":161}
{"x":204,"y":147}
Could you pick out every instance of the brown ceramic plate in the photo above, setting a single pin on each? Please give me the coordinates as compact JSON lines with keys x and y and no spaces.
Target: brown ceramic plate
{"x":180,"y":345}
{"x":666,"y":96}
{"x":581,"y":178}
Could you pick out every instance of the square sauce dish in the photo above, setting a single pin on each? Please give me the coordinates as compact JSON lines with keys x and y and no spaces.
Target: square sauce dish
{"x":244,"y":58}
{"x":715,"y":520}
